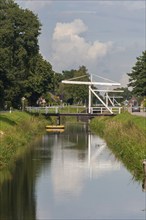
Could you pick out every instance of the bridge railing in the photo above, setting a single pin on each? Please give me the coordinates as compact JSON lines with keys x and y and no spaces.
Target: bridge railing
{"x":102,"y":110}
{"x":56,"y":109}
{"x":72,"y":109}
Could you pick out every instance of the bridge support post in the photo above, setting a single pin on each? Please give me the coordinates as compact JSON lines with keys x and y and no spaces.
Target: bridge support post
{"x":58,"y":120}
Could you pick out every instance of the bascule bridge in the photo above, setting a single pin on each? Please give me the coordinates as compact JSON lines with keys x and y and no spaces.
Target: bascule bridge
{"x":110,"y":104}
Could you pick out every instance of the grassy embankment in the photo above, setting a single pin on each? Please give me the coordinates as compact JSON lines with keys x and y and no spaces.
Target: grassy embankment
{"x":17,"y":130}
{"x":125,"y":135}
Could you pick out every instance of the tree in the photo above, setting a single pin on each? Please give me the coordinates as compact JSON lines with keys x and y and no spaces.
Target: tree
{"x":18,"y":49}
{"x":75,"y":94}
{"x":40,"y":80}
{"x":137,"y":77}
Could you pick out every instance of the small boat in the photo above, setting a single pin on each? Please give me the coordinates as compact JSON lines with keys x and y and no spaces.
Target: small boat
{"x":55,"y":127}
{"x":55,"y":130}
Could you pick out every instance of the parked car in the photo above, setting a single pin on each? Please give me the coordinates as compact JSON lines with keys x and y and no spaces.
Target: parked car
{"x":135,"y":108}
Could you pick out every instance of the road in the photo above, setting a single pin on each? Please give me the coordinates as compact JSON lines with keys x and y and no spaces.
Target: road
{"x":139,"y":113}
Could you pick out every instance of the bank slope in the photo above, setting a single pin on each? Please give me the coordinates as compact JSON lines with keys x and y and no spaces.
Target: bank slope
{"x":16,"y":131}
{"x":125,"y":135}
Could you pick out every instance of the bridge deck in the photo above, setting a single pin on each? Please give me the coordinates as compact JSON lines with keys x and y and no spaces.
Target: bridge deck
{"x":79,"y":114}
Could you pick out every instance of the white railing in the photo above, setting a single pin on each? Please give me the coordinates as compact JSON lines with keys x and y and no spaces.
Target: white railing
{"x":54,"y":109}
{"x":101,"y":110}
{"x":77,"y":109}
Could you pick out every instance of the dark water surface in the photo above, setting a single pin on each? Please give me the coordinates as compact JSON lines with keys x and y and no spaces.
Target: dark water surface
{"x":71,"y":175}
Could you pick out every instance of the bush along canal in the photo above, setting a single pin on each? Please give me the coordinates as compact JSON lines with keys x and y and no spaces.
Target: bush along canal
{"x":17,"y":129}
{"x":125,"y":135}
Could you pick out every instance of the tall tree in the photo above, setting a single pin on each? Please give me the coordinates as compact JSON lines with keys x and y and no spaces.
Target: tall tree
{"x":137,"y":77}
{"x":18,"y":48}
{"x":40,"y":80}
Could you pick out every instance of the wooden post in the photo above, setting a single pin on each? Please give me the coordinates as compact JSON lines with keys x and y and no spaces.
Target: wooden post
{"x":58,"y":120}
{"x":144,"y":166}
{"x":144,"y":185}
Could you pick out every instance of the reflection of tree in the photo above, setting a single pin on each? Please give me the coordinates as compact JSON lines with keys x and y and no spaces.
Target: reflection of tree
{"x":17,"y":197}
{"x":77,"y":134}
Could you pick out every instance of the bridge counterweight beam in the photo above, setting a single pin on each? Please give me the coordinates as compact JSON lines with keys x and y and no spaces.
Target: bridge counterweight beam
{"x":89,"y":104}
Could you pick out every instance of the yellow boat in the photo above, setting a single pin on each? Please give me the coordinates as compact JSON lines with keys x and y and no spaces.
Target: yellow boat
{"x":55,"y":130}
{"x":55,"y":127}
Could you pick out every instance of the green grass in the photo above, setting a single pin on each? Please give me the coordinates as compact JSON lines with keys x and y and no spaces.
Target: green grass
{"x":16,"y":130}
{"x":125,"y":135}
{"x":137,"y":120}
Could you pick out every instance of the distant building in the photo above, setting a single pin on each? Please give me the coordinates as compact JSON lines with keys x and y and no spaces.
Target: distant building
{"x":133,"y":101}
{"x":41,"y":101}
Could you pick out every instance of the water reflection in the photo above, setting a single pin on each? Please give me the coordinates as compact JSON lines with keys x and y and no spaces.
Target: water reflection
{"x":71,"y":175}
{"x":17,"y":197}
{"x":69,"y":169}
{"x":17,"y":194}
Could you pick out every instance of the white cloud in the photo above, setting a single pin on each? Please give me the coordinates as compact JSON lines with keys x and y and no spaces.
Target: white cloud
{"x":71,"y":50}
{"x":72,"y":44}
{"x":63,"y":30}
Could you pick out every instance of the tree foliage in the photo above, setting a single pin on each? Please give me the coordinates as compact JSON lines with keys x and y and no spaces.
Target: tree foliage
{"x":40,"y":80}
{"x":77,"y":94}
{"x":23,"y":71}
{"x":137,"y":77}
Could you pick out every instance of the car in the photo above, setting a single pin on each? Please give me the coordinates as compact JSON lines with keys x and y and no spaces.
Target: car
{"x":135,"y":108}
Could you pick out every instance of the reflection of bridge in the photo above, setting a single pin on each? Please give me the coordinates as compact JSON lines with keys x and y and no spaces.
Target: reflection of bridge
{"x":72,"y":169}
{"x":76,"y":157}
{"x":96,"y":162}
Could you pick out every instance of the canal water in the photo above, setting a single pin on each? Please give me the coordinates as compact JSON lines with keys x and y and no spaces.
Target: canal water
{"x":71,"y":175}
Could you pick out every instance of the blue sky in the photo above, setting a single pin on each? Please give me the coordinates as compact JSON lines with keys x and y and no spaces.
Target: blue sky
{"x":105,"y":36}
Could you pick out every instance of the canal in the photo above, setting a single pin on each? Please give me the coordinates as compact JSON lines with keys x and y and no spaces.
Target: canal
{"x":71,"y":175}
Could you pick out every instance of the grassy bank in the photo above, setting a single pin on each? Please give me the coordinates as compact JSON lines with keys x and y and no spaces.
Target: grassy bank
{"x":125,"y":135}
{"x":16,"y":131}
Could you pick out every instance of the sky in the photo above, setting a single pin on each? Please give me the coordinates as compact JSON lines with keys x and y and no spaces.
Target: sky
{"x":105,"y":36}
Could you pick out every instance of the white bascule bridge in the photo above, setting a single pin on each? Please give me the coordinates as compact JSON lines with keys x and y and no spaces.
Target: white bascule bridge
{"x":110,"y":103}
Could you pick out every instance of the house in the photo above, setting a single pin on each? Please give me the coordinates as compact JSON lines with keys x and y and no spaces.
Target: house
{"x":133,"y":101}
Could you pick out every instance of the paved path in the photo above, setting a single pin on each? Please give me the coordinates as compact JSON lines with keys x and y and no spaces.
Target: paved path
{"x":139,"y":113}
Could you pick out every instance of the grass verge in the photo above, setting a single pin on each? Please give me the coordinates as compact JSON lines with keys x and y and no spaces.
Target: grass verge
{"x":17,"y":130}
{"x":125,"y":135}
